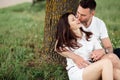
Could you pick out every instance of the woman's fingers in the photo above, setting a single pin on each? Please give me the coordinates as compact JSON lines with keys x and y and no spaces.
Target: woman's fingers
{"x":83,"y":64}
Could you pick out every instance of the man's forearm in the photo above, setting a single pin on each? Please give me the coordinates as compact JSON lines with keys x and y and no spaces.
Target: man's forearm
{"x":107,"y":45}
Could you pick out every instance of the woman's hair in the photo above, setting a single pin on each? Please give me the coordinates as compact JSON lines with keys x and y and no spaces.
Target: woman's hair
{"x":65,"y":36}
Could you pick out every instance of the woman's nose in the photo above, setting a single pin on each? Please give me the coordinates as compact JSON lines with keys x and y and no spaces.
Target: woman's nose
{"x":78,"y":21}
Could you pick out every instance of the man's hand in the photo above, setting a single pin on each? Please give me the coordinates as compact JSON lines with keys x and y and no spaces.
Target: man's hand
{"x":97,"y":54}
{"x":80,"y":62}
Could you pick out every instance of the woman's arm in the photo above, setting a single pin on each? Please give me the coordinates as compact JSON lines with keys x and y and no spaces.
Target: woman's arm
{"x":78,"y":60}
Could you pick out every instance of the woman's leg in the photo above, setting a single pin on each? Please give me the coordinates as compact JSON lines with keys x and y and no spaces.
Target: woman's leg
{"x":116,"y":64}
{"x":102,"y":68}
{"x":116,"y":74}
{"x":115,"y":60}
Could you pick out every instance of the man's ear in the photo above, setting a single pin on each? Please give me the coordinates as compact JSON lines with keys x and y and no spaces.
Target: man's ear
{"x":93,"y":12}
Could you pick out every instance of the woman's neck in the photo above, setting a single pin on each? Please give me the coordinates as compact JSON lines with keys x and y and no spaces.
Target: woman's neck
{"x":78,"y":33}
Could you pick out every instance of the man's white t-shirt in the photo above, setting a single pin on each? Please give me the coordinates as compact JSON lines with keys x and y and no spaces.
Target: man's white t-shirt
{"x":98,"y":28}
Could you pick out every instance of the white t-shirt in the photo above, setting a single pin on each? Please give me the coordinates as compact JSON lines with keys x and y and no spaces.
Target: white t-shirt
{"x":85,"y":50}
{"x":98,"y":28}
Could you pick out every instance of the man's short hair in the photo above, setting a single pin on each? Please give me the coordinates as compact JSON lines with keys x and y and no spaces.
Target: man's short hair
{"x":91,"y":4}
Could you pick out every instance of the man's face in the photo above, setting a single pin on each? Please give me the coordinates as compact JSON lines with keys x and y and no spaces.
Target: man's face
{"x":84,"y":15}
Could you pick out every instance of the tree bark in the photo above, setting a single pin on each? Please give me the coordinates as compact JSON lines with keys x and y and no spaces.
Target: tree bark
{"x":54,"y":9}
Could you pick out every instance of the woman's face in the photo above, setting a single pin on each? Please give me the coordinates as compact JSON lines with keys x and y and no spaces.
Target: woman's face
{"x":74,"y":22}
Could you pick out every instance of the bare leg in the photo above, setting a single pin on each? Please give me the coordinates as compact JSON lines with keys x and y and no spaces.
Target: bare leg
{"x":116,"y":74}
{"x":116,"y":64}
{"x":102,"y":68}
{"x":115,"y":60}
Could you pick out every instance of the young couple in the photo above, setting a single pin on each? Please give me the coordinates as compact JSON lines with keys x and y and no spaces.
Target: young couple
{"x":77,"y":39}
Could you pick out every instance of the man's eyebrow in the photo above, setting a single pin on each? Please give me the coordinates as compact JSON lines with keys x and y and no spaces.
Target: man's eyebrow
{"x":80,"y":13}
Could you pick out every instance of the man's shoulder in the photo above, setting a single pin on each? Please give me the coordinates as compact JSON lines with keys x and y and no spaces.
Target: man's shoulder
{"x":98,"y":20}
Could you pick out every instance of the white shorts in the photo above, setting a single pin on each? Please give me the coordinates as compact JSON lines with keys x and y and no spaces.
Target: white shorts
{"x":75,"y":73}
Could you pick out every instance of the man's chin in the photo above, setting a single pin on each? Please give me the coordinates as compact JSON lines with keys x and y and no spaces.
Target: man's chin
{"x":83,"y":22}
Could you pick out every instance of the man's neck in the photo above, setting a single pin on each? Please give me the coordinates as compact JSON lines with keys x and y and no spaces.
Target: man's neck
{"x":87,"y":24}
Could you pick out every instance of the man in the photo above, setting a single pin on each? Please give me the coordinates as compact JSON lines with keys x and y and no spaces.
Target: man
{"x":85,"y":13}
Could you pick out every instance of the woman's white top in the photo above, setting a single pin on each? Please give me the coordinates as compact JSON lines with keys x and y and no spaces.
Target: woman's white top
{"x":85,"y":50}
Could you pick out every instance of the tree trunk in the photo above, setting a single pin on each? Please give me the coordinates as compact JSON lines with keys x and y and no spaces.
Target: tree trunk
{"x":54,"y":9}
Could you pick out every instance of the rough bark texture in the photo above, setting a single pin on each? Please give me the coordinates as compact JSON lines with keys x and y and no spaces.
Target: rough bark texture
{"x":54,"y":9}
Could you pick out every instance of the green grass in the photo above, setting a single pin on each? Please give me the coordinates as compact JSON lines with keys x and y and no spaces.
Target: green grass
{"x":109,"y":11}
{"x":21,"y":36}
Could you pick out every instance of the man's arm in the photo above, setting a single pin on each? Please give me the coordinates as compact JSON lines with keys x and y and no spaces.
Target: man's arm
{"x":107,"y":45}
{"x":105,"y":38}
{"x":97,"y":54}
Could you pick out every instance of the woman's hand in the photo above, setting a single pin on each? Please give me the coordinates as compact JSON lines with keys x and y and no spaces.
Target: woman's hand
{"x":97,"y":54}
{"x":80,"y":62}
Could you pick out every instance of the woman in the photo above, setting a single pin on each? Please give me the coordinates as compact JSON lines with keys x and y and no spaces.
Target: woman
{"x":71,"y":37}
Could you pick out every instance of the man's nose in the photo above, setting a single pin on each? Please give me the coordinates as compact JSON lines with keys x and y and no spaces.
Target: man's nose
{"x":79,"y":17}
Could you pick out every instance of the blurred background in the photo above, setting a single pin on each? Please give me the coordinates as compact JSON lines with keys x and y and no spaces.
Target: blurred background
{"x":7,"y":3}
{"x":21,"y":36}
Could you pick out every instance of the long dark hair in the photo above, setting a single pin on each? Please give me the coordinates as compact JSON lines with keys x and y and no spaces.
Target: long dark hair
{"x":65,"y":36}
